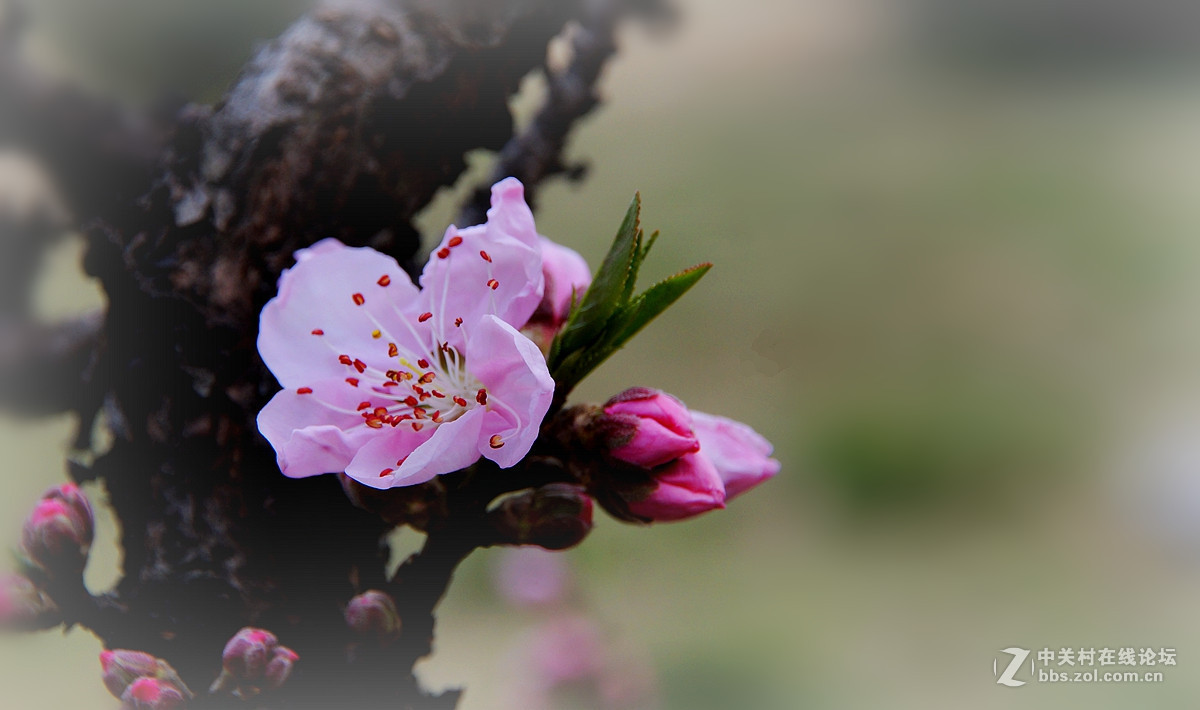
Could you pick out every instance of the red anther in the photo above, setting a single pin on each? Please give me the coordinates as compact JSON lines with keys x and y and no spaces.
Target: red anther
{"x":389,"y":383}
{"x":386,"y":472}
{"x":376,"y":334}
{"x":426,"y":378}
{"x":400,"y":462}
{"x":352,"y":381}
{"x":419,"y":413}
{"x":455,"y":241}
{"x":457,"y":322}
{"x":358,"y":299}
{"x":418,"y":390}
{"x":460,"y":401}
{"x":318,"y":331}
{"x":406,"y":375}
{"x":380,"y":411}
{"x":436,"y":416}
{"x":437,"y":394}
{"x":417,"y":426}
{"x":345,"y":360}
{"x":360,"y":366}
{"x":485,"y":256}
{"x":374,"y":423}
{"x":363,"y":405}
{"x":443,"y":253}
{"x":495,"y":442}
{"x":304,"y":390}
{"x":403,"y":417}
{"x":422,"y":363}
{"x":392,"y":375}
{"x":424,"y":395}
{"x":393,"y":351}
{"x":411,"y":401}
{"x":493,"y":284}
{"x":424,"y":317}
{"x":481,"y":396}
{"x":384,"y":280}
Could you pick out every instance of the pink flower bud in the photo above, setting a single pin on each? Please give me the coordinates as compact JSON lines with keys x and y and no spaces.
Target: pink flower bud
{"x":247,"y":653}
{"x":647,"y":427}
{"x":686,"y":487}
{"x":555,"y":516}
{"x":280,"y":666}
{"x":77,"y":502}
{"x":567,"y":277}
{"x":148,"y":693}
{"x":54,"y":534}
{"x":741,"y":456}
{"x":373,"y":612}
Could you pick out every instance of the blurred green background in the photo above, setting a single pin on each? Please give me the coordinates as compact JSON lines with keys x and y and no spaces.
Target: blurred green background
{"x":956,"y":283}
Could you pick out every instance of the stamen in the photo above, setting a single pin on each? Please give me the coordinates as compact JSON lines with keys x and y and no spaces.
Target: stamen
{"x":363,"y":405}
{"x":384,"y":280}
{"x":345,"y":360}
{"x":455,"y":241}
{"x":426,"y":378}
{"x":304,"y":390}
{"x":457,"y":322}
{"x":485,"y":256}
{"x":376,"y":334}
{"x":411,"y":401}
{"x":443,"y":252}
{"x":318,"y":331}
{"x":393,"y":351}
{"x":360,"y":366}
{"x":493,"y":284}
{"x":422,"y":363}
{"x":424,"y":317}
{"x":389,"y":383}
{"x":481,"y":396}
{"x":437,"y":394}
{"x":460,"y":401}
{"x":437,"y":416}
{"x":374,"y":423}
{"x":352,"y":381}
{"x":417,"y":426}
{"x":358,"y":299}
{"x":495,"y":442}
{"x":386,"y":472}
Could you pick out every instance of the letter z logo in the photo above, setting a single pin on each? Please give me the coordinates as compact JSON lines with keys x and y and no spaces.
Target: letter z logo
{"x":1006,"y":678}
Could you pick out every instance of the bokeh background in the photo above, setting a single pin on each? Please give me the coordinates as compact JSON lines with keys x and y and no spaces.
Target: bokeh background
{"x":957,"y":283}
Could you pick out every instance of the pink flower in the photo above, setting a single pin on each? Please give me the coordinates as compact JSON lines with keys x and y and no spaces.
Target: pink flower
{"x":688,"y":486}
{"x":396,"y":385}
{"x":648,"y":428}
{"x":741,"y":455}
{"x":151,"y":694}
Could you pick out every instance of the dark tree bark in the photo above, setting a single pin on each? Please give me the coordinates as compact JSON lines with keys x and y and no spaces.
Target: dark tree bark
{"x":346,"y":125}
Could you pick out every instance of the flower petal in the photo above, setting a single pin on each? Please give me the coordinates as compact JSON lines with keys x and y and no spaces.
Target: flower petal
{"x":495,"y":268}
{"x":687,"y":486}
{"x":424,"y":456}
{"x":740,"y":454}
{"x":313,"y":433}
{"x":519,"y":388}
{"x":567,"y":276}
{"x":329,"y":304}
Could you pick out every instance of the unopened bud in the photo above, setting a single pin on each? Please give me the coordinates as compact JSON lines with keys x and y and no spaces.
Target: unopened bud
{"x":280,"y":666}
{"x":646,"y":428}
{"x":247,"y":653}
{"x":55,"y":535}
{"x":71,"y":495}
{"x":373,"y":612}
{"x":122,"y":667}
{"x":555,"y":516}
{"x":148,"y":693}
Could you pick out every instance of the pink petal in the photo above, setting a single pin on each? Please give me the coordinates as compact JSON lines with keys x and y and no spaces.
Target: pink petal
{"x":687,"y":487}
{"x":567,"y":276}
{"x":519,"y":388}
{"x":318,"y":295}
{"x":450,"y":448}
{"x":314,"y":433}
{"x":740,"y":454}
{"x":465,"y":285}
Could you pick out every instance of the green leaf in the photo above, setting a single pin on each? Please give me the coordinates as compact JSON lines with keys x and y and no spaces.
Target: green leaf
{"x":608,"y":291}
{"x":625,"y":323}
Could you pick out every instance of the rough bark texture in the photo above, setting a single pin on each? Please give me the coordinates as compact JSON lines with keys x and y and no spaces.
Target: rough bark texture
{"x":346,"y":125}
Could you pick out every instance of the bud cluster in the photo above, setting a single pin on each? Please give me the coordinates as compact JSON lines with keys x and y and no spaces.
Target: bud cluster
{"x":58,"y":532}
{"x":253,"y":661}
{"x":141,"y":681}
